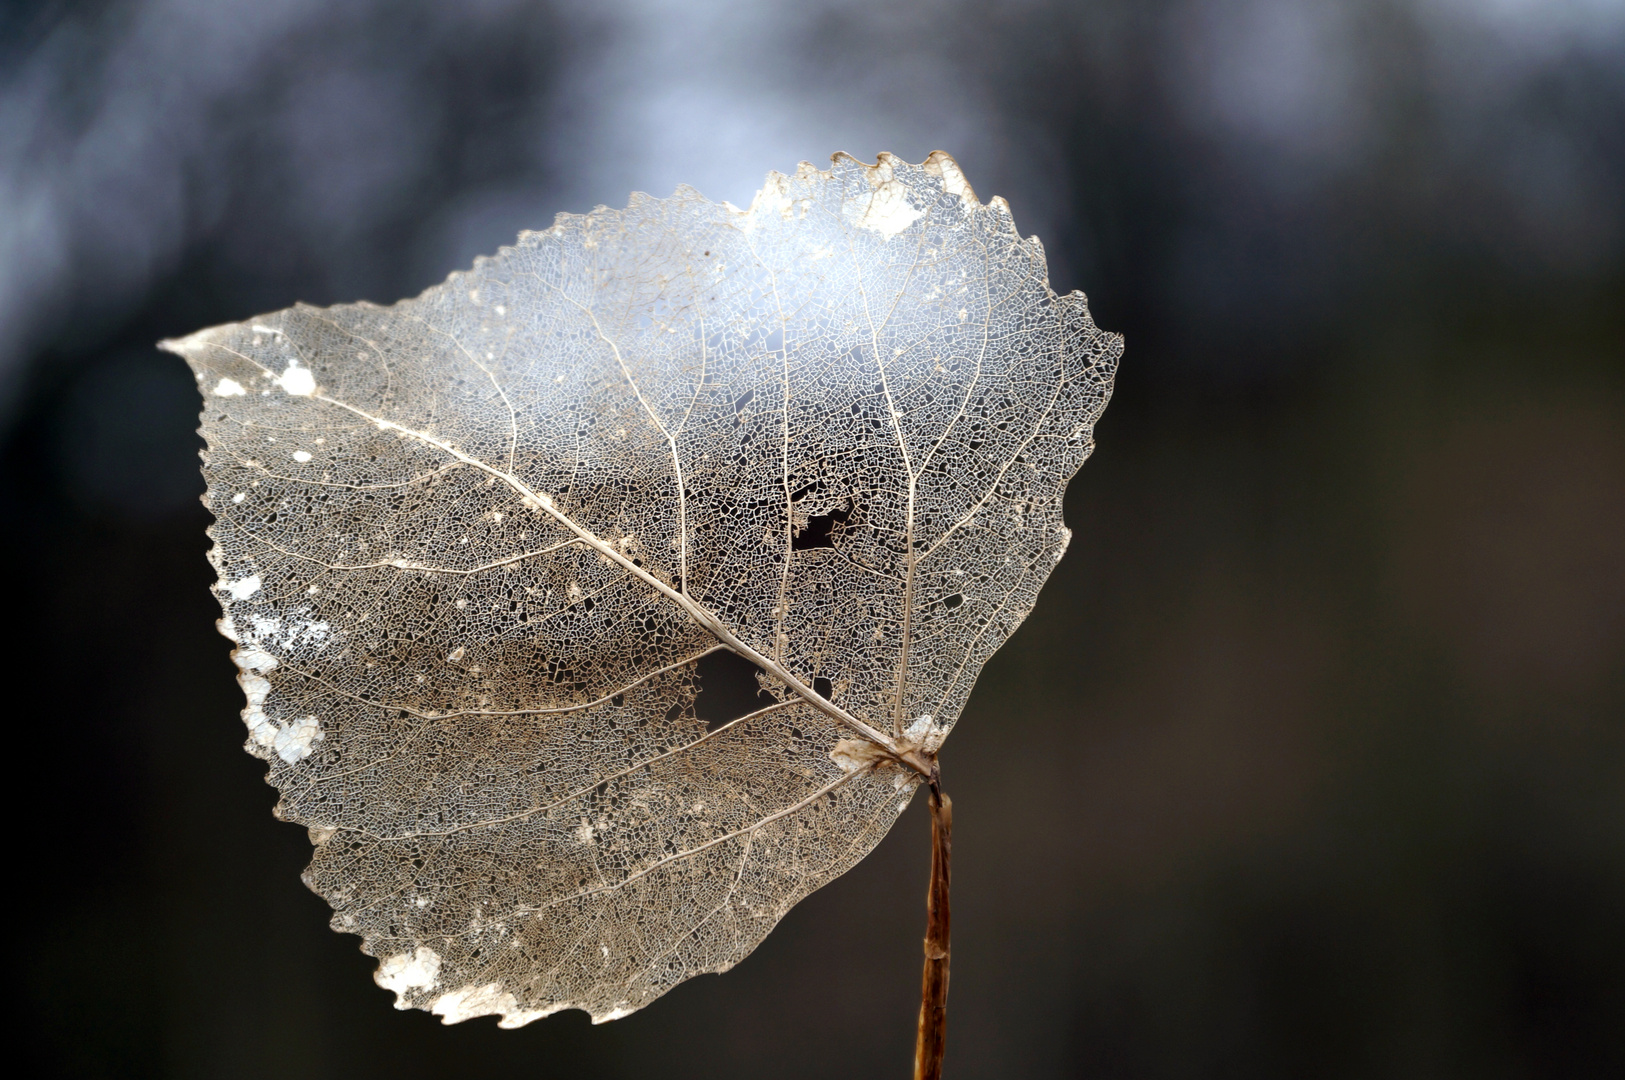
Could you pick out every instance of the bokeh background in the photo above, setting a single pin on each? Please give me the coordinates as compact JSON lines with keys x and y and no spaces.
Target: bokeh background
{"x":1311,"y":760}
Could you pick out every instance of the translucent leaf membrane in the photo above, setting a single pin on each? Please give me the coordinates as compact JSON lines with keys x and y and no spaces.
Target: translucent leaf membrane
{"x":474,"y":546}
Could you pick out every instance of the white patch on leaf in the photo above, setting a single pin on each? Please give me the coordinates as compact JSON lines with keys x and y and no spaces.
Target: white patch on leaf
{"x":297,"y":381}
{"x":888,"y":211}
{"x":408,"y":971}
{"x":293,"y":742}
{"x":254,"y":658}
{"x":946,"y":169}
{"x":470,"y":1001}
{"x":243,"y":588}
{"x":260,"y":728}
{"x":925,"y":733}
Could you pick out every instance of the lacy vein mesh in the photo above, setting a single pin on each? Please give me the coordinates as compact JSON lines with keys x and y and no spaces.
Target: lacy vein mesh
{"x":487,"y":723}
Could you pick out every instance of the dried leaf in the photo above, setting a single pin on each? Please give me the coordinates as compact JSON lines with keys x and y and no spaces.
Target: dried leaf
{"x":473,"y":546}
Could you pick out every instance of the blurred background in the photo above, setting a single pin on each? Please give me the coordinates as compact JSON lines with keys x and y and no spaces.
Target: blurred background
{"x":1311,"y":760}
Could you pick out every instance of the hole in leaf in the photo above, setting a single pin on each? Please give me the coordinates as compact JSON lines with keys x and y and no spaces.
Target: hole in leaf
{"x":823,"y":687}
{"x":728,"y":688}
{"x":953,"y":601}
{"x":819,"y":532}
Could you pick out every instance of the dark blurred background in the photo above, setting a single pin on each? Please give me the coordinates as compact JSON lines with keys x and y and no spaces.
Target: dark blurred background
{"x":1311,"y":760}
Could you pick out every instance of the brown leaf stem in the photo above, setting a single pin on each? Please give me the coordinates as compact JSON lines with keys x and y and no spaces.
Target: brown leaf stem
{"x":933,"y":1034}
